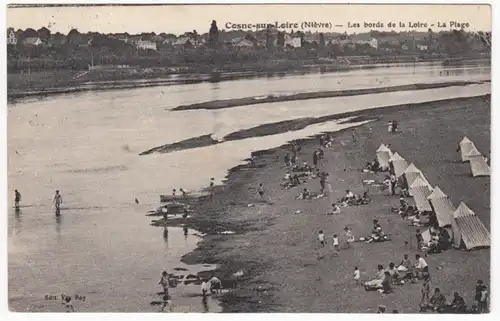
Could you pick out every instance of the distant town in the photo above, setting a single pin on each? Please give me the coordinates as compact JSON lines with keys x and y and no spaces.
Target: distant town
{"x":41,"y":50}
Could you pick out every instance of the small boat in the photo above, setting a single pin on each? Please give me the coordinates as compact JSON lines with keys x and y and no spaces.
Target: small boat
{"x":170,"y":208}
{"x":171,"y":198}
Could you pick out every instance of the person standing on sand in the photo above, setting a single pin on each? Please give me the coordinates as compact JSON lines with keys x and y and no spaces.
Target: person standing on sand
{"x":322,"y":183}
{"x":57,"y":201}
{"x":164,"y":281}
{"x":315,"y":159}
{"x":354,"y":136}
{"x":394,"y":181}
{"x":420,"y":239}
{"x":174,"y":191}
{"x":335,"y":245}
{"x":479,"y":287}
{"x":17,"y":198}
{"x":357,"y":275}
{"x":287,"y":160}
{"x":321,"y":238}
{"x":260,"y":190}
{"x":211,"y":187}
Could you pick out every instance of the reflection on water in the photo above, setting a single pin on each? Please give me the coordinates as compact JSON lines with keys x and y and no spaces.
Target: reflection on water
{"x":103,"y":245}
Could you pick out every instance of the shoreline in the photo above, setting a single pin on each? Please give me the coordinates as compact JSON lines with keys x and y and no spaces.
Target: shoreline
{"x":240,"y":102}
{"x":259,"y":228}
{"x":150,"y":77}
{"x":291,"y":125}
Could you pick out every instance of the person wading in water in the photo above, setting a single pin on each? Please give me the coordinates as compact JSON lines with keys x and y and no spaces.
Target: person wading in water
{"x":17,"y":198}
{"x":57,"y":202}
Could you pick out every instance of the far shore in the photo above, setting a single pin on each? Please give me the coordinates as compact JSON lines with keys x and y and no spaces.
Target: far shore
{"x":48,"y":83}
{"x":275,"y":242}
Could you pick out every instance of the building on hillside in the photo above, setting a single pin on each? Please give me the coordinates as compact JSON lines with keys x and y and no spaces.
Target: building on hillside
{"x":56,"y":41}
{"x":169,"y":40}
{"x":293,"y":42}
{"x":422,"y":47}
{"x":242,"y":43}
{"x":11,"y":37}
{"x":33,"y":41}
{"x":145,"y":45}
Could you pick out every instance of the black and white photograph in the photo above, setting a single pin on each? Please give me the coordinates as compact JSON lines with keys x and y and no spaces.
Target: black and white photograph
{"x":248,"y":158}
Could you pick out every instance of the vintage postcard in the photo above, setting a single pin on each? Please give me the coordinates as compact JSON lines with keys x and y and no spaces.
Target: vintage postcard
{"x":249,"y":158}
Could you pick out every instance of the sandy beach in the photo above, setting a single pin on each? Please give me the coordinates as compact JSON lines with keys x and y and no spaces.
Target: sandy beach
{"x":277,"y":247}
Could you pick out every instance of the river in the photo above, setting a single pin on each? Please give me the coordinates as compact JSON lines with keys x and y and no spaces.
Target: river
{"x":87,"y":145}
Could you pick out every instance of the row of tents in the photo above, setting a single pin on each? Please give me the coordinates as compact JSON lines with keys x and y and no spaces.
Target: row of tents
{"x":462,"y":223}
{"x":469,"y":153}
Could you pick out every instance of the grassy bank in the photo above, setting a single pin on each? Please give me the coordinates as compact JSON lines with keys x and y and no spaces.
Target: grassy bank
{"x":278,"y":248}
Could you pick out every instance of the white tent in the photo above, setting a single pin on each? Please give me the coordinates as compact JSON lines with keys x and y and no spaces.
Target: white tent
{"x":383,"y":156}
{"x":442,"y":207}
{"x":399,"y":164}
{"x":420,"y":191}
{"x":469,"y":229}
{"x":466,"y":146}
{"x":411,"y":173}
{"x":478,"y":165}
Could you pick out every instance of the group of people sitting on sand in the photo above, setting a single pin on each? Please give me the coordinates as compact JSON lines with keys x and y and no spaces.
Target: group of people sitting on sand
{"x":378,"y":234}
{"x":385,"y":278}
{"x":352,"y":199}
{"x":440,"y":241}
{"x":326,"y":141}
{"x":373,"y":166}
{"x":438,"y":302}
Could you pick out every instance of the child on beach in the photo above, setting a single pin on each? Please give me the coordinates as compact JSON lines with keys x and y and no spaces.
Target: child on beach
{"x":260,"y":190}
{"x":336,"y":244}
{"x":205,"y":288}
{"x":321,"y":237}
{"x":426,"y":290}
{"x":357,"y":275}
{"x":164,"y":282}
{"x":348,"y":235}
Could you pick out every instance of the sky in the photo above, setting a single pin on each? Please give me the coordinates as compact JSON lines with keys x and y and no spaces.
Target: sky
{"x":178,"y":19}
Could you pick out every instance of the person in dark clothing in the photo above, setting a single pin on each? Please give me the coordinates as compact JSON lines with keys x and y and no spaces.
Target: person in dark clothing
{"x":419,"y":238}
{"x":17,"y":198}
{"x":479,"y":288}
{"x":438,"y":301}
{"x":386,"y":283}
{"x":322,"y":182}
{"x":287,"y":160}
{"x":483,"y":300}
{"x":458,"y":304}
{"x":315,"y":158}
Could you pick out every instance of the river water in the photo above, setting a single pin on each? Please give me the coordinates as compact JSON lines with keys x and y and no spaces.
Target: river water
{"x":87,"y":145}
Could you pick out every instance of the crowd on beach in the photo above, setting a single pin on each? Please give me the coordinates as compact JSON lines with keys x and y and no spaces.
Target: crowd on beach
{"x":394,"y":274}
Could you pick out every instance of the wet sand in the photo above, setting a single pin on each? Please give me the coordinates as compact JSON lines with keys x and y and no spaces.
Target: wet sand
{"x":229,"y":103}
{"x":278,"y":249}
